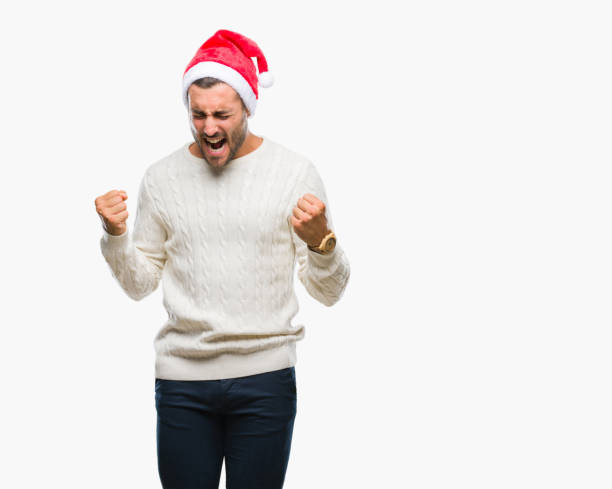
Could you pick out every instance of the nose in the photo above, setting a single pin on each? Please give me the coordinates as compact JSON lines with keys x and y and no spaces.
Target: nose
{"x":210,"y":127}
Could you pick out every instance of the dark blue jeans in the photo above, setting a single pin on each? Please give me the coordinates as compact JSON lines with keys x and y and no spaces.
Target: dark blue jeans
{"x":248,"y":420}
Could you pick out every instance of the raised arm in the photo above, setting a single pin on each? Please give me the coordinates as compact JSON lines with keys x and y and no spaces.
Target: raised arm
{"x":324,"y":276}
{"x":136,"y":259}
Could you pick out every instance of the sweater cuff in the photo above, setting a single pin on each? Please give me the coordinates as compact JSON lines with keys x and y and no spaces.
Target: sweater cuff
{"x":322,"y":261}
{"x":111,"y":242}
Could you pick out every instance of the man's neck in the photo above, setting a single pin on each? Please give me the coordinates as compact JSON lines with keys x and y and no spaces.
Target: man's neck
{"x":251,"y":143}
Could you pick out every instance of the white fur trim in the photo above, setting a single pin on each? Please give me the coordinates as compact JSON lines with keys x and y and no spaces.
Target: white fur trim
{"x":225,"y":74}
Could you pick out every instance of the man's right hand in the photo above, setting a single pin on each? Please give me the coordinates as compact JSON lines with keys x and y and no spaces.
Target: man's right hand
{"x":112,"y":209}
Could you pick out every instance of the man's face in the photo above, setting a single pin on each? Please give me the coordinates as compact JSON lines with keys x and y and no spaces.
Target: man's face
{"x":218,"y":122}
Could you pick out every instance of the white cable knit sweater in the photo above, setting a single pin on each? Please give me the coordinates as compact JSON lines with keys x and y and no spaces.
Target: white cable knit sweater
{"x":223,"y":245}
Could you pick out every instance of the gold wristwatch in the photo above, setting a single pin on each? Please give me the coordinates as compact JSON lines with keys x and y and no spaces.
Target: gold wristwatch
{"x":326,"y":246}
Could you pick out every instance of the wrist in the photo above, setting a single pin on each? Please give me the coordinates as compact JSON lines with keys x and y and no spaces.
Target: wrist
{"x":326,"y":245}
{"x":320,"y":240}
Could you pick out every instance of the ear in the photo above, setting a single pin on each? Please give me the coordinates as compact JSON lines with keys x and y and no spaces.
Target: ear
{"x":244,"y":107}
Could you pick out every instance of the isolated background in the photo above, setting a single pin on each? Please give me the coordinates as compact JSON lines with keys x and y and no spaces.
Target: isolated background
{"x":465,"y":150}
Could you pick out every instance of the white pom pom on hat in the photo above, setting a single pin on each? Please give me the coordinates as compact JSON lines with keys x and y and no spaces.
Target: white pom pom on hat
{"x":266,"y":79}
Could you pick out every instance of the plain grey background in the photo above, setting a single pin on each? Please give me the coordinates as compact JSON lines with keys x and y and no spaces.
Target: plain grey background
{"x":465,"y":150}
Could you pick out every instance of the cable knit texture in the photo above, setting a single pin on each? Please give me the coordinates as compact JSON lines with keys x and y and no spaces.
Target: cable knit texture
{"x":222,"y":243}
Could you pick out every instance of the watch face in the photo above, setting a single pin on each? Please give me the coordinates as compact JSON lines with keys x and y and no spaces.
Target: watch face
{"x":331,"y":244}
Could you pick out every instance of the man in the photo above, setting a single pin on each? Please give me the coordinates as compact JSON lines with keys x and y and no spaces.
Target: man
{"x":222,"y":221}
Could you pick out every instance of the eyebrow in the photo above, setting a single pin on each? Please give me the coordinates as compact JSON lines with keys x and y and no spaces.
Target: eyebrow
{"x":218,"y":112}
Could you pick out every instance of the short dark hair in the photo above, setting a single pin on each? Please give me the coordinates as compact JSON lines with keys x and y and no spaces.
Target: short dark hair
{"x":210,"y":81}
{"x":207,"y":82}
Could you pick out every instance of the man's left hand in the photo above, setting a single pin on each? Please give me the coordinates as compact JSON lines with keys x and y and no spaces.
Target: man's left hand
{"x":309,"y":221}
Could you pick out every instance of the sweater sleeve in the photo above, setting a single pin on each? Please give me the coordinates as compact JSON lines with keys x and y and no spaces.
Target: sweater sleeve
{"x":137,"y":259}
{"x":324,"y":276}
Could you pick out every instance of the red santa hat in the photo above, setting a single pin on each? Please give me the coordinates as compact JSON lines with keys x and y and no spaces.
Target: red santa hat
{"x":227,"y":56}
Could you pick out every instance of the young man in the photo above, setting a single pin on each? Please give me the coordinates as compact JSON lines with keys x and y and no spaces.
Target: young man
{"x":222,"y":221}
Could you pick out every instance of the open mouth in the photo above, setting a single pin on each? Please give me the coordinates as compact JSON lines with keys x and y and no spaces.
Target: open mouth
{"x":216,"y":145}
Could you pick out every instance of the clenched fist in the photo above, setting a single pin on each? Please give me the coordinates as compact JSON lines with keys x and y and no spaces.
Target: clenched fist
{"x":309,"y":221}
{"x":112,"y":209}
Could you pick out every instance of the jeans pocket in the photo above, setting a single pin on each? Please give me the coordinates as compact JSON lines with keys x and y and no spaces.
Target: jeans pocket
{"x":287,"y":378}
{"x":294,"y":380}
{"x":291,"y":376}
